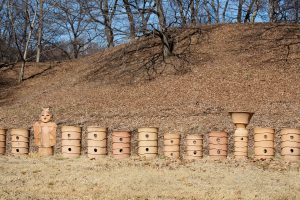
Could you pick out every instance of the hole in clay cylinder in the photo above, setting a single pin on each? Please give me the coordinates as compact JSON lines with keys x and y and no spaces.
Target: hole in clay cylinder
{"x":69,"y":135}
{"x":195,"y":152}
{"x":95,"y":150}
{"x":218,"y":151}
{"x":265,"y":136}
{"x":147,"y":149}
{"x":147,"y":135}
{"x":194,"y":142}
{"x":242,"y":138}
{"x":292,"y":137}
{"x":95,"y":135}
{"x":17,"y":138}
{"x":121,"y":150}
{"x":17,"y":150}
{"x":69,"y":149}
{"x":171,"y":154}
{"x":171,"y":141}
{"x":218,"y":140}
{"x":121,"y":139}
{"x":292,"y":150}
{"x":265,"y":151}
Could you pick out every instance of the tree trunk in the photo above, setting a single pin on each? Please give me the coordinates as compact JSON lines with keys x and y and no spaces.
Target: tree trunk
{"x":249,"y":10}
{"x":297,"y":11}
{"x":253,"y":17}
{"x":207,"y":12}
{"x":130,"y":19}
{"x":107,"y":23}
{"x":40,"y":33}
{"x":193,"y":12}
{"x":181,"y":12}
{"x":224,"y":11}
{"x":240,"y":11}
{"x":273,"y":7}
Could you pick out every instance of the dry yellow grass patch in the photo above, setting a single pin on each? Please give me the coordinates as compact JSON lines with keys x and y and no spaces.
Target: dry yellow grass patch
{"x":58,"y":178}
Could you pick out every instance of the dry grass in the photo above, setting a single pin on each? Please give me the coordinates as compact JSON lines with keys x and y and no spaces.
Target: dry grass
{"x":59,"y":178}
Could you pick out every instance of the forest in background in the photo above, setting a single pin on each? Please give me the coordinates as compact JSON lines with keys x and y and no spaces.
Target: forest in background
{"x":43,"y":30}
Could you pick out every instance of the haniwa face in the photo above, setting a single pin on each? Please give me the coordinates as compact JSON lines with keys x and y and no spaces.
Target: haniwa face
{"x":46,"y":117}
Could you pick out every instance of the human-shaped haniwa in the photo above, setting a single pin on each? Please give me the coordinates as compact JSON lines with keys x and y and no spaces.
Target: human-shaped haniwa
{"x":45,"y":133}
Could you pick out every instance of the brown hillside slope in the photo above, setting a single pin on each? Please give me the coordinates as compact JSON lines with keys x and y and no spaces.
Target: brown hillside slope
{"x":217,"y":69}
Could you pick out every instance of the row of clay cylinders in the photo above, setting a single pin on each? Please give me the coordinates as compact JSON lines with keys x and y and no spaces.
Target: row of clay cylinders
{"x":148,"y":142}
{"x":96,"y":142}
{"x":218,"y":142}
{"x":2,"y":141}
{"x":194,"y":147}
{"x":71,"y":141}
{"x":121,"y":144}
{"x":290,"y":144}
{"x":171,"y":145}
{"x":264,"y":143}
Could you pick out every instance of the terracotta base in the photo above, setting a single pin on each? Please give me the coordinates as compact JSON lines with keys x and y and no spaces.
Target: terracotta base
{"x":170,"y":154}
{"x":97,"y":150}
{"x":2,"y":151}
{"x":71,"y":150}
{"x":96,"y":156}
{"x":19,"y":151}
{"x":147,"y":150}
{"x":258,"y":157}
{"x":121,"y":156}
{"x":70,"y":155}
{"x":148,"y":155}
{"x":45,"y":151}
{"x":240,"y":151}
{"x":291,"y":158}
{"x":212,"y":157}
{"x":193,"y":157}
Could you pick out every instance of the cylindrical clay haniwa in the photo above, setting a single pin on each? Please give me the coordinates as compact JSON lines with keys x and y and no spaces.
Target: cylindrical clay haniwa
{"x":2,"y":141}
{"x":194,"y":147}
{"x":19,"y":141}
{"x":71,"y":141}
{"x":264,"y":143}
{"x":218,"y":142}
{"x":171,"y":145}
{"x":96,"y":142}
{"x":241,"y":143}
{"x":121,"y":141}
{"x":148,"y":142}
{"x":290,"y":144}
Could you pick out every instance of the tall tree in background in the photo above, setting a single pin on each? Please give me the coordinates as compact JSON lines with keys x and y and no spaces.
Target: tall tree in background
{"x":40,"y":32}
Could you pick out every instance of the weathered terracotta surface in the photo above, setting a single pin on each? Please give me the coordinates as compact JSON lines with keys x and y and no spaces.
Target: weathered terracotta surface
{"x":97,"y":143}
{"x":71,"y":141}
{"x":151,"y":143}
{"x":241,"y":117}
{"x":194,"y":147}
{"x":241,"y":139}
{"x":46,"y":151}
{"x":172,"y":148}
{"x":290,"y":137}
{"x":264,"y":143}
{"x":19,"y":151}
{"x":290,"y":144}
{"x":148,"y":130}
{"x":97,"y":150}
{"x":96,"y":135}
{"x":264,"y":151}
{"x":20,"y":132}
{"x":121,"y":142}
{"x":168,"y":136}
{"x":148,"y":142}
{"x":2,"y":138}
{"x":2,"y":131}
{"x":97,"y":129}
{"x":147,"y":136}
{"x":218,"y":152}
{"x":263,"y":130}
{"x":218,"y":140}
{"x":172,"y":154}
{"x":2,"y":141}
{"x":263,"y":136}
{"x":17,"y":138}
{"x":218,"y":145}
{"x":19,"y":144}
{"x":2,"y":144}
{"x":171,"y":141}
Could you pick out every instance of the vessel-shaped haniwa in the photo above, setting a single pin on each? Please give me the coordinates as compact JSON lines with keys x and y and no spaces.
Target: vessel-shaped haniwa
{"x":194,"y":147}
{"x":71,"y":141}
{"x":264,"y":143}
{"x":121,"y":142}
{"x":172,"y":145}
{"x":20,"y":141}
{"x":290,"y":144}
{"x":218,"y":141}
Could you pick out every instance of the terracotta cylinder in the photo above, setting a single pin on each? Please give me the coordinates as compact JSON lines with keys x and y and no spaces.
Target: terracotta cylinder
{"x":71,"y":141}
{"x":2,"y":141}
{"x":46,"y":151}
{"x":194,"y":147}
{"x":148,"y":142}
{"x":264,"y":143}
{"x":218,"y":145}
{"x":20,"y":141}
{"x":121,"y":144}
{"x":171,"y":145}
{"x":290,"y":144}
{"x":96,"y":142}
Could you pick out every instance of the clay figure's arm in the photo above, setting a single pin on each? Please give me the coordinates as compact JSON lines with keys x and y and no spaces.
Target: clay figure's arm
{"x":37,"y":133}
{"x":53,"y":135}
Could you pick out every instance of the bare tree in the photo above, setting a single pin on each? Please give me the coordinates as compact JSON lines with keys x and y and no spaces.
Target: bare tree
{"x":130,"y":18}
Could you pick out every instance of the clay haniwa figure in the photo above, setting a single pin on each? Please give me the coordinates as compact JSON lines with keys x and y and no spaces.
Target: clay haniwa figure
{"x":45,"y":133}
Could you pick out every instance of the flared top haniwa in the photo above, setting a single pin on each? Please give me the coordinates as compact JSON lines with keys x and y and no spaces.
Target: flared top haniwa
{"x":241,"y":117}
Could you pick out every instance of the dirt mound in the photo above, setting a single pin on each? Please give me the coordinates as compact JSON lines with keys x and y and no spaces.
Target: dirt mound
{"x":215,"y":69}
